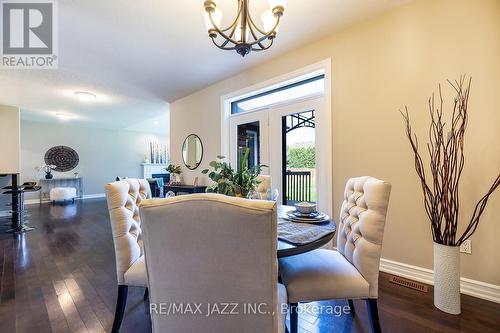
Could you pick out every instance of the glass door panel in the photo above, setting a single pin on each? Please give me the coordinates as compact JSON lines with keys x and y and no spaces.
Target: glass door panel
{"x":249,"y":138}
{"x":250,"y":131}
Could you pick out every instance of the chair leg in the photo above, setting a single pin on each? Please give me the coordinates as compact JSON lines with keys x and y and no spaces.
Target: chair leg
{"x":351,"y":307}
{"x":146,"y":294}
{"x":373,"y":314}
{"x":294,"y":318}
{"x":120,"y":308}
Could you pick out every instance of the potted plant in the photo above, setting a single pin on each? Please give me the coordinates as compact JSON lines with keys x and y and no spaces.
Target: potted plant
{"x":233,"y":182}
{"x":175,"y":172}
{"x":441,"y":191}
{"x":47,"y":168}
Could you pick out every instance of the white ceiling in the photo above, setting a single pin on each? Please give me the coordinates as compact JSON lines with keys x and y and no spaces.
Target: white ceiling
{"x":137,"y":56}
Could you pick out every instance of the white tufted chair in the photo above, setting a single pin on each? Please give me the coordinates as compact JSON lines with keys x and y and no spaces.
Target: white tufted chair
{"x":123,"y":199}
{"x":220,"y":249}
{"x":352,"y":271}
{"x":264,"y":185}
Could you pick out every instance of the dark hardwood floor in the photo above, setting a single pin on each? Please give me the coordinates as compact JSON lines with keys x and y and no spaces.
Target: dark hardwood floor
{"x":61,"y":278}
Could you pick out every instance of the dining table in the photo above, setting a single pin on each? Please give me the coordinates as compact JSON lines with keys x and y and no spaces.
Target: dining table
{"x":286,"y":248}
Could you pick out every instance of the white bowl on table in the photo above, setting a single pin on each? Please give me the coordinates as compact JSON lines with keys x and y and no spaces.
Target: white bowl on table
{"x":305,"y":207}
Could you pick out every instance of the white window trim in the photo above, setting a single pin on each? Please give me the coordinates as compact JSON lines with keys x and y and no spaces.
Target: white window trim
{"x":322,"y":67}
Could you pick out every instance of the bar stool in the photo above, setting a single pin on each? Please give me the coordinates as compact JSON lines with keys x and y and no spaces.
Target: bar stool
{"x":18,"y":224}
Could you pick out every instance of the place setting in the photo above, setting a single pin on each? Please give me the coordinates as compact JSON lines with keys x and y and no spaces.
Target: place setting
{"x":305,"y":212}
{"x":304,"y":224}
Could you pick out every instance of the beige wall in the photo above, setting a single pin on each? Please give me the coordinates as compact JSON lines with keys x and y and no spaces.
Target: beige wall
{"x":378,"y":67}
{"x":9,"y":139}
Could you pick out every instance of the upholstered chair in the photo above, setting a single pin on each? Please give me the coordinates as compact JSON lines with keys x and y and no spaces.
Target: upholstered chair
{"x":213,"y":250}
{"x":264,"y":185}
{"x":352,"y":271}
{"x":123,"y":198}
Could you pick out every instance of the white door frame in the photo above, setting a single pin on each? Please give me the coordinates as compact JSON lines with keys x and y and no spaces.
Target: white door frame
{"x":325,"y":116}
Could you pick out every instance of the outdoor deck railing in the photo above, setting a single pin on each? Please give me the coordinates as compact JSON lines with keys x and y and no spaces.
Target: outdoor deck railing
{"x":298,"y":184}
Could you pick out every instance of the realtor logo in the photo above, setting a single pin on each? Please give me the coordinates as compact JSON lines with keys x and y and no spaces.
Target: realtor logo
{"x":28,"y":31}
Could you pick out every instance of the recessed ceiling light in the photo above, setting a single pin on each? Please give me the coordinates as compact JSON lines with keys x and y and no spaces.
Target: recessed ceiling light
{"x":64,"y":116}
{"x":85,"y":96}
{"x":156,"y":122}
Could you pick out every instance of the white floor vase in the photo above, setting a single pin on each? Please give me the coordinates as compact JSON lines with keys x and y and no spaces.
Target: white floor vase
{"x":447,"y":278}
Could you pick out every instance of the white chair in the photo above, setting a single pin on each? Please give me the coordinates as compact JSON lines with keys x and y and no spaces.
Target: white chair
{"x":351,"y":272}
{"x":123,"y":199}
{"x":210,"y":249}
{"x":264,"y":185}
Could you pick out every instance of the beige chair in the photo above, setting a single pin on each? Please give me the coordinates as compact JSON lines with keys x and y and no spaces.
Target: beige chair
{"x":352,"y":271}
{"x":123,"y":199}
{"x":264,"y":185}
{"x":213,"y":250}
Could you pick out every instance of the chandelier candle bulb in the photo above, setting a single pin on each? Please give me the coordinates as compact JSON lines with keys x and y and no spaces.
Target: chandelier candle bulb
{"x":268,"y":21}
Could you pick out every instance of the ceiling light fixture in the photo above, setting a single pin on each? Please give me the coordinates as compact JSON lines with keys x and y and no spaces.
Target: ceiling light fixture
{"x":243,"y":35}
{"x":64,"y":116}
{"x":85,"y":96}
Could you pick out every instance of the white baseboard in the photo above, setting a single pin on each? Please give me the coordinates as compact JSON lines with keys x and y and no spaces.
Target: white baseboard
{"x":470,"y":287}
{"x":85,"y":197}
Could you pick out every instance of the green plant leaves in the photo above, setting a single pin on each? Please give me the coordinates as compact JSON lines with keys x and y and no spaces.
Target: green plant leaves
{"x":233,"y":182}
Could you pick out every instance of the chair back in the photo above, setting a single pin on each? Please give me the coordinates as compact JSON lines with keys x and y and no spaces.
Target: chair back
{"x":361,"y":226}
{"x":123,"y":199}
{"x":264,"y":185}
{"x":213,"y":250}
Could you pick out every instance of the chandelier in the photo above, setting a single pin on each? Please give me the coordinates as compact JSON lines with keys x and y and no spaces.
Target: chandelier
{"x":243,"y":35}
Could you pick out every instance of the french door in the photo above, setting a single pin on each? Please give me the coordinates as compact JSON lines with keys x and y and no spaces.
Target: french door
{"x":265,"y":133}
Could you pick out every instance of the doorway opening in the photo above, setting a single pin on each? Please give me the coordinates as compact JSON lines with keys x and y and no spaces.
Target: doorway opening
{"x":298,"y":157}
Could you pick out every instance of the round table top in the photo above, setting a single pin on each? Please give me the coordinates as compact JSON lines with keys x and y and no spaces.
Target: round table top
{"x":286,"y":249}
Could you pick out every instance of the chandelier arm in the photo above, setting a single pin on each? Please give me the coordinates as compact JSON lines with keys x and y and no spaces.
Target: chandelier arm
{"x":265,"y":48}
{"x":255,"y":25}
{"x":266,"y":36}
{"x":235,"y":22}
{"x":216,"y":28}
{"x":256,"y":38}
{"x":223,"y":45}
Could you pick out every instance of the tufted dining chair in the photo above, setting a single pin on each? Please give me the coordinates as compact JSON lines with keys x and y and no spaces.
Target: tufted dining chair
{"x":264,"y":185}
{"x":221,"y":251}
{"x":352,"y":271}
{"x":123,"y":199}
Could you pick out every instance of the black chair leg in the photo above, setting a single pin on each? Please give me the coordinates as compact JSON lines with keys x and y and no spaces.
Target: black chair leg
{"x":146,"y":294}
{"x":294,"y":318}
{"x":120,"y":308}
{"x":351,"y":307}
{"x":373,"y":314}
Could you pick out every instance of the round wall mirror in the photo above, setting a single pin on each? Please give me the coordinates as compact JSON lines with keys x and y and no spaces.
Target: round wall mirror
{"x":192,"y":151}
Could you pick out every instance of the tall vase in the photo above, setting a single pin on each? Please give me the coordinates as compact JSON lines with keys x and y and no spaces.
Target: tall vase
{"x":447,"y":278}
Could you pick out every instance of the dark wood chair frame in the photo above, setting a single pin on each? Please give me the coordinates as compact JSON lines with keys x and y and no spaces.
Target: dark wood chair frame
{"x":121,"y":302}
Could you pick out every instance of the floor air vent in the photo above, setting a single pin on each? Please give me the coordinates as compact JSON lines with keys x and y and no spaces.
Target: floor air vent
{"x":409,"y":283}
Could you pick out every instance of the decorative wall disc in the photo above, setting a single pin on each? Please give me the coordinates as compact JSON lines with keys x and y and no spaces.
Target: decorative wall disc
{"x":63,"y":157}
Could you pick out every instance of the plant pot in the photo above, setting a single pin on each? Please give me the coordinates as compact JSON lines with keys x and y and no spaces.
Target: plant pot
{"x":175,"y":178}
{"x":447,"y":278}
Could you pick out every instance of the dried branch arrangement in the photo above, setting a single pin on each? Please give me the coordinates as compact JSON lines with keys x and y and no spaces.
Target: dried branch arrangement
{"x":446,"y":153}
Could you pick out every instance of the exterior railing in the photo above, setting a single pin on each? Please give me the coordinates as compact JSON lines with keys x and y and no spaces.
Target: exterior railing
{"x":298,"y":186}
